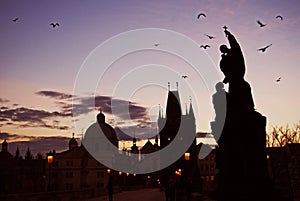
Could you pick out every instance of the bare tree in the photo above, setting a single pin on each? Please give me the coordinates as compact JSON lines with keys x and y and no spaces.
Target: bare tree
{"x":281,"y":136}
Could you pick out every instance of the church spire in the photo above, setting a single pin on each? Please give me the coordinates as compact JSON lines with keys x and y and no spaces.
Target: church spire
{"x":4,"y":146}
{"x":191,"y":112}
{"x":156,"y":139}
{"x":134,"y":148}
{"x":186,"y":109}
{"x":134,"y":140}
{"x":17,"y":155}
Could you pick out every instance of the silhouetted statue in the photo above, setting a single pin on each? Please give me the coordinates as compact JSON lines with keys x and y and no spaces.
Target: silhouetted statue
{"x":232,"y":64}
{"x":241,"y":151}
{"x":219,"y":102}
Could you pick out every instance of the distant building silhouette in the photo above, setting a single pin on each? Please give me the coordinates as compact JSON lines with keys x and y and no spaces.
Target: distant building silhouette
{"x":20,"y":176}
{"x":76,"y":169}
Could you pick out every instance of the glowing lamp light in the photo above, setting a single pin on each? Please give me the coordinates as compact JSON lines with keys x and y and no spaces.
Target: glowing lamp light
{"x":134,"y":174}
{"x":187,"y":156}
{"x":120,"y":173}
{"x":108,"y":171}
{"x":50,"y":158}
{"x":178,"y":173}
{"x":127,"y":174}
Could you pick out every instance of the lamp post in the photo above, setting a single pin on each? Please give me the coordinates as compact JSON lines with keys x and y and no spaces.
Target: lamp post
{"x":109,"y":185}
{"x":50,"y":158}
{"x":187,"y":176}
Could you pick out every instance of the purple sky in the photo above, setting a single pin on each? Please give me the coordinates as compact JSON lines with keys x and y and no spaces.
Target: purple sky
{"x":39,"y":64}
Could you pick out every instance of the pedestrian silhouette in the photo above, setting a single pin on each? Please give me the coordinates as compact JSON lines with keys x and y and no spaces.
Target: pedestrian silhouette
{"x":109,"y":187}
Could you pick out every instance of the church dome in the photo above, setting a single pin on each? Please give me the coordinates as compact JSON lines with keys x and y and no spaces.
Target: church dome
{"x":108,"y":131}
{"x":4,"y":154}
{"x":101,"y":117}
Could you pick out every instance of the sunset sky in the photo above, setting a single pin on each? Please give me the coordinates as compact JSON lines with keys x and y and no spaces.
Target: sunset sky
{"x":39,"y":64}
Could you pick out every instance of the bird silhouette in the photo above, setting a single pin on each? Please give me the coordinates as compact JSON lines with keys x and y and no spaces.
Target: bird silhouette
{"x":278,"y":80}
{"x":263,"y":49}
{"x":204,"y":46}
{"x":260,"y":23}
{"x":279,"y":16}
{"x":201,"y":14}
{"x":184,"y":76}
{"x":156,"y":44}
{"x":16,"y":19}
{"x":210,"y":37}
{"x":54,"y":24}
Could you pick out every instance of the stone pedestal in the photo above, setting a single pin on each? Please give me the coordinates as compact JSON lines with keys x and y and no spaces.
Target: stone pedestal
{"x":241,"y":158}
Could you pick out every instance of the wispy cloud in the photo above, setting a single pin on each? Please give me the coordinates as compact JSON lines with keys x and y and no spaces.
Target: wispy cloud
{"x":123,"y":110}
{"x":23,"y":114}
{"x":28,"y":117}
{"x":120,"y":112}
{"x":55,"y":95}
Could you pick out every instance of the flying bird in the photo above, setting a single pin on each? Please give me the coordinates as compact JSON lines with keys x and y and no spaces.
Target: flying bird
{"x":54,"y":24}
{"x":184,"y":76}
{"x":279,"y":16}
{"x":16,"y":19}
{"x":263,"y":49}
{"x":260,"y":23}
{"x":201,"y":14}
{"x":156,"y":44}
{"x":278,"y":80}
{"x":204,"y":46}
{"x":210,"y":37}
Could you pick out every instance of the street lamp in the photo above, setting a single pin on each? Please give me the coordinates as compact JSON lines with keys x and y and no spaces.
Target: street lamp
{"x":187,"y":156}
{"x":50,"y":159}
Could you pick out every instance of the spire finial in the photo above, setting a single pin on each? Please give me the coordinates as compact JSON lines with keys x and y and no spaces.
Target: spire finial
{"x":168,"y":86}
{"x":156,"y":139}
{"x":186,"y":109}
{"x":73,"y":134}
{"x":159,"y":113}
{"x":190,"y":99}
{"x":177,"y":85}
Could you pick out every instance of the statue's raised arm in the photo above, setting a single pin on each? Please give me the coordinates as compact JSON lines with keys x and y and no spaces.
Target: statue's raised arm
{"x":232,"y":63}
{"x":234,"y":45}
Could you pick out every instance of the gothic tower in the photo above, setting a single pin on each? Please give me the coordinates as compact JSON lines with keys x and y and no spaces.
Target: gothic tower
{"x":175,"y":123}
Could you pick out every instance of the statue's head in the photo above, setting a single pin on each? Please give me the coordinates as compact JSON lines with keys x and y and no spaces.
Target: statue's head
{"x":219,"y":86}
{"x":224,"y":49}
